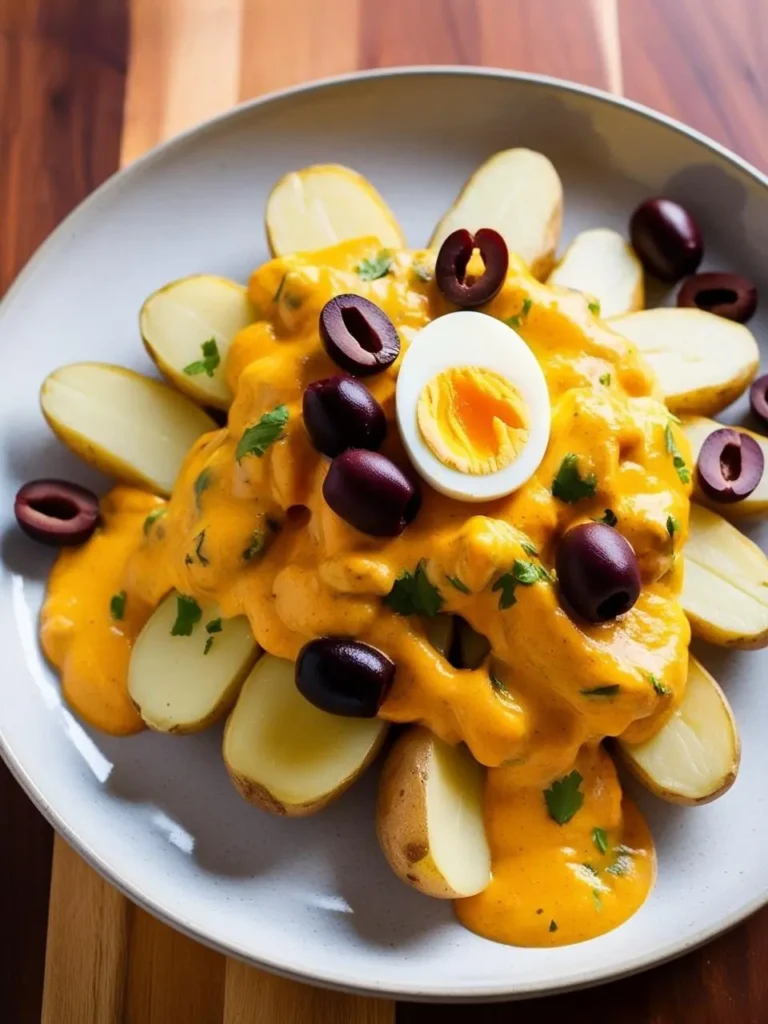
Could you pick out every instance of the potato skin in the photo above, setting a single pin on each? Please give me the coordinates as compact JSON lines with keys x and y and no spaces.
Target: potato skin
{"x":401,"y":814}
{"x":712,"y":634}
{"x":712,"y":400}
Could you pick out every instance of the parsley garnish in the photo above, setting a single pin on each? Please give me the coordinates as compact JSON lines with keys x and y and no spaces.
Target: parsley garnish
{"x":413,"y":594}
{"x":209,"y":363}
{"x":523,"y":572}
{"x":154,"y":515}
{"x":553,"y":926}
{"x":677,"y":459}
{"x":208,"y":645}
{"x":658,"y":686}
{"x":594,"y":307}
{"x":214,"y":626}
{"x":200,"y":538}
{"x":519,"y":318}
{"x":117,"y":606}
{"x":529,"y":549}
{"x":605,"y":378}
{"x":673,"y":525}
{"x":608,"y":517}
{"x":600,"y":839}
{"x":261,"y":435}
{"x":202,"y":483}
{"x":378,"y":266}
{"x":601,"y":691}
{"x":564,"y":798}
{"x":188,"y":614}
{"x":457,"y":583}
{"x":257,"y":545}
{"x":569,"y":485}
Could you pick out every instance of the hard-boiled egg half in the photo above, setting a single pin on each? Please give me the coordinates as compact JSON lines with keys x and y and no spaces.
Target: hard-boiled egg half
{"x":472,"y":407}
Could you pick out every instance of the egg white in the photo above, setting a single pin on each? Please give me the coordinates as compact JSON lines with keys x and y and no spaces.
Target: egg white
{"x":468,"y":338}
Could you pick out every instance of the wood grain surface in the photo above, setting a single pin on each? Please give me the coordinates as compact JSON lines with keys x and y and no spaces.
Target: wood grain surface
{"x":77,"y":99}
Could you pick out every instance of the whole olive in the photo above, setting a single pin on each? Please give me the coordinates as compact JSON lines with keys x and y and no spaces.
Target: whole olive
{"x":730,"y":465}
{"x":666,"y":238}
{"x":758,"y":399}
{"x":453,"y":258}
{"x":344,"y":677}
{"x":341,"y":413}
{"x":597,"y":571}
{"x":358,"y":335}
{"x":56,"y":512}
{"x":371,"y":493}
{"x":727,"y":295}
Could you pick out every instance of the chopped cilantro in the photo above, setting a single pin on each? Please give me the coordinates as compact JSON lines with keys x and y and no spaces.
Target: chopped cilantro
{"x":564,"y":798}
{"x":257,"y":545}
{"x":659,"y":687}
{"x":200,"y":538}
{"x":188,"y":614}
{"x":673,"y":525}
{"x":209,"y":363}
{"x":378,"y":266}
{"x":529,"y":549}
{"x":605,"y":378}
{"x":413,"y":594}
{"x":553,"y":926}
{"x":677,"y":459}
{"x":214,"y":626}
{"x":270,"y":428}
{"x":202,"y":483}
{"x":608,"y":517}
{"x":525,"y":573}
{"x":569,"y":485}
{"x":208,"y":645}
{"x":519,"y":318}
{"x":152,"y":518}
{"x":117,"y":606}
{"x":601,"y":691}
{"x":594,"y":307}
{"x":600,"y":839}
{"x":456,"y":582}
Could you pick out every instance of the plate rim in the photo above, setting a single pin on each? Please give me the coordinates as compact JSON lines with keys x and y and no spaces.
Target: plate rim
{"x":442,"y":993}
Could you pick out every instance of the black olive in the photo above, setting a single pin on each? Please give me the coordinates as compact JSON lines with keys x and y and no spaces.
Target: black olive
{"x":344,"y":677}
{"x":666,"y":238}
{"x":730,"y":465}
{"x":371,"y":493}
{"x":56,"y":512}
{"x":451,"y":266}
{"x":341,"y":413}
{"x":727,"y":295}
{"x":597,"y":571}
{"x":358,"y":335}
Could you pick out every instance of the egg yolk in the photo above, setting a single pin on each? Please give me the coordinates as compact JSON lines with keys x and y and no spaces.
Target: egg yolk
{"x":473,"y":420}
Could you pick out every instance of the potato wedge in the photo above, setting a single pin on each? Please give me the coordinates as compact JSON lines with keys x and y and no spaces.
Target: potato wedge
{"x":694,"y":758}
{"x":703,"y":362}
{"x":429,"y":816}
{"x":601,"y":263}
{"x":182,"y":684}
{"x":725,"y":592}
{"x":176,"y":320}
{"x":285,"y":755}
{"x":127,"y":425}
{"x":325,"y":204}
{"x":697,"y":430}
{"x":519,"y":193}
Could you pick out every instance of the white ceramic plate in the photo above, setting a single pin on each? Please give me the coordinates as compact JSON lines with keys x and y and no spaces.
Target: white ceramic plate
{"x":156,"y":814}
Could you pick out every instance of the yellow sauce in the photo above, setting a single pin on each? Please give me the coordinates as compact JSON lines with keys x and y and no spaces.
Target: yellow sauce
{"x":316,"y":575}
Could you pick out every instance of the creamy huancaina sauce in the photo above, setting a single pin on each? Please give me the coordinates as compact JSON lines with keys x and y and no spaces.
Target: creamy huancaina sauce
{"x":274,"y":551}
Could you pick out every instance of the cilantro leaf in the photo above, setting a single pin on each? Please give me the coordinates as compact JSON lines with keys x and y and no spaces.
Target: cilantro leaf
{"x":564,"y":798}
{"x":214,"y":626}
{"x":569,"y":486}
{"x":256,"y":546}
{"x":208,"y":645}
{"x":457,"y":583}
{"x":677,"y":459}
{"x":601,"y":691}
{"x":600,"y":839}
{"x":188,"y":614}
{"x":202,"y":483}
{"x":117,"y":606}
{"x":605,"y":378}
{"x":209,"y":363}
{"x":413,"y":594}
{"x":529,"y":549}
{"x":519,"y":318}
{"x":376,"y":267}
{"x":594,"y":307}
{"x":153,"y":516}
{"x":270,"y":428}
{"x":608,"y":517}
{"x":673,"y":525}
{"x":522,"y":572}
{"x":553,"y":926}
{"x":659,"y":687}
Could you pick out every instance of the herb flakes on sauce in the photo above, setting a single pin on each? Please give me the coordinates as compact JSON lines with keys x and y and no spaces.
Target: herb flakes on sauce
{"x":259,"y":437}
{"x":569,"y":485}
{"x":374,"y":268}
{"x":188,"y":614}
{"x":413,"y":594}
{"x":209,"y":363}
{"x":564,"y":797}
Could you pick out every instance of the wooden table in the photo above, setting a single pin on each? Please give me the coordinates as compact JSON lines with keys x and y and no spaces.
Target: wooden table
{"x":87,"y":85}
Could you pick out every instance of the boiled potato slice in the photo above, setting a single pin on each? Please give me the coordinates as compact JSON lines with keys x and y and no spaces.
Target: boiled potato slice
{"x":703,"y":362}
{"x":285,"y":755}
{"x":184,"y":683}
{"x":519,"y":193}
{"x":178,"y":319}
{"x":429,"y":816}
{"x":694,"y":758}
{"x":601,"y":263}
{"x":125,"y":424}
{"x":326,"y":204}
{"x":697,"y":430}
{"x":725,"y":592}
